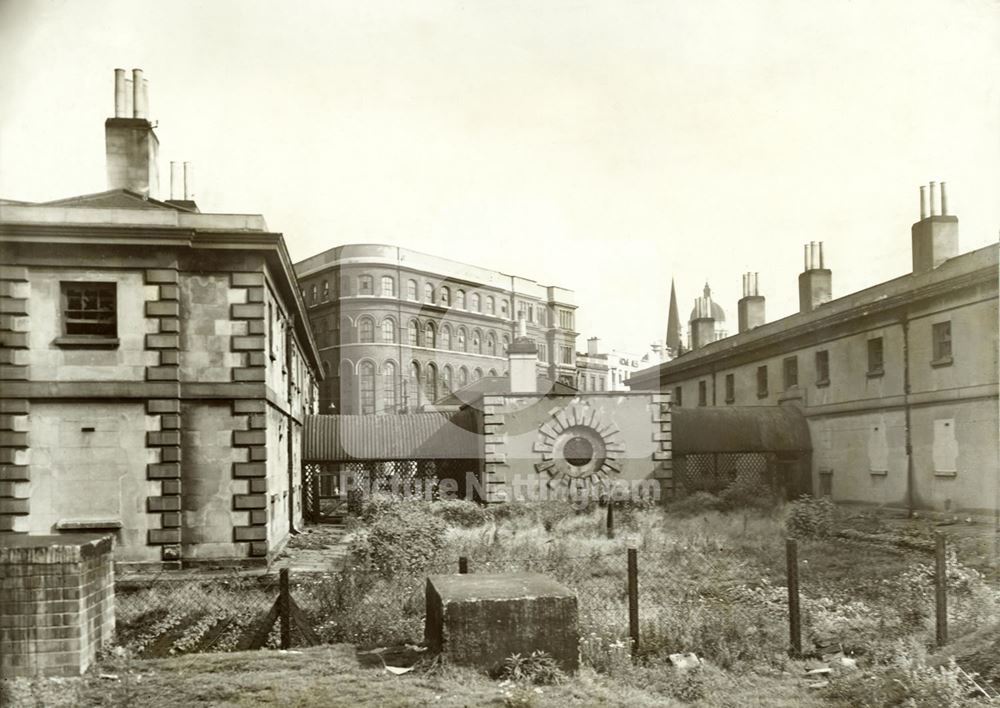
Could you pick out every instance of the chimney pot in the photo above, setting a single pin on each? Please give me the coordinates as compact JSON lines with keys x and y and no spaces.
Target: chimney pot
{"x":934,"y":199}
{"x":138,"y":105}
{"x":188,"y":180}
{"x":120,"y":93}
{"x":923,"y":203}
{"x":944,"y":200}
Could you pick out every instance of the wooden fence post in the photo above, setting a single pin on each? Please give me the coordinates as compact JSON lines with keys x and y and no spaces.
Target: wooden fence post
{"x":285,"y":610}
{"x":314,"y":483}
{"x":633,"y":599}
{"x":463,"y":565}
{"x":794,"y":620}
{"x":940,"y":591}
{"x":611,"y":518}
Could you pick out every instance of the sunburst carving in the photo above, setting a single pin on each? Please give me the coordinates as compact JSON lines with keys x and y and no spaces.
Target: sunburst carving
{"x":578,"y":448}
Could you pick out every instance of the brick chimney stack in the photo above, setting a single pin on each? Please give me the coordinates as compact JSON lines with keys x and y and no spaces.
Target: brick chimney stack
{"x":935,"y":237}
{"x":816,"y":280}
{"x":750,"y":308}
{"x":131,"y":145}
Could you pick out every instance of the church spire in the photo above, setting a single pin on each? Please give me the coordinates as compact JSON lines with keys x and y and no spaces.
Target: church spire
{"x":673,"y":324}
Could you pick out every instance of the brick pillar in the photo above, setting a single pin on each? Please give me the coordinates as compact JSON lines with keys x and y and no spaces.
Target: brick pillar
{"x":663,"y":456}
{"x":59,"y":603}
{"x":14,"y":356}
{"x":254,"y":471}
{"x":163,"y":435}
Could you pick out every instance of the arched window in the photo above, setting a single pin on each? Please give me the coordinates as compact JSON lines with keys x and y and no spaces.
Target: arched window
{"x":389,"y":330}
{"x":491,"y":306}
{"x":446,"y":378}
{"x":326,"y":290}
{"x":493,"y":372}
{"x":388,"y":286}
{"x":491,"y":344}
{"x":460,"y":299}
{"x":477,"y":342}
{"x":411,"y":332}
{"x":477,"y":374}
{"x":428,"y":292}
{"x":312,"y":295}
{"x":366,"y":330}
{"x":366,"y":285}
{"x":411,"y":290}
{"x":475,"y":303}
{"x":445,"y":296}
{"x":503,"y":308}
{"x":445,"y":338}
{"x":463,"y":377}
{"x":461,"y":340}
{"x":429,"y":339}
{"x":366,"y":387}
{"x":506,"y":343}
{"x":431,"y":381}
{"x":390,"y":388}
{"x":414,"y":384}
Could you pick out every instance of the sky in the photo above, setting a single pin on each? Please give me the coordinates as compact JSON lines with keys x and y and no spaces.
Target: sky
{"x":605,"y":147}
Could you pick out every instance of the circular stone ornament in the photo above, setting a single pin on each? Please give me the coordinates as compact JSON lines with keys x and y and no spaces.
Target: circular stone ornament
{"x":578,"y":447}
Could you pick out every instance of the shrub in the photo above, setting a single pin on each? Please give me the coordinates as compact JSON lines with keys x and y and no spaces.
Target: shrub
{"x":905,"y":682}
{"x":459,"y":512}
{"x":694,"y":504}
{"x":405,"y":538}
{"x":746,"y":493}
{"x":538,"y":668}
{"x":810,"y":517}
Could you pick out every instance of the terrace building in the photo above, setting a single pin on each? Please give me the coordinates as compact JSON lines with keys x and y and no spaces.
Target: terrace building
{"x":399,"y":329}
{"x":898,"y":382}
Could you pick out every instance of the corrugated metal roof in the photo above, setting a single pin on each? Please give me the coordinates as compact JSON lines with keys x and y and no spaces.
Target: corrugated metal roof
{"x":415,"y":436}
{"x":739,"y":429}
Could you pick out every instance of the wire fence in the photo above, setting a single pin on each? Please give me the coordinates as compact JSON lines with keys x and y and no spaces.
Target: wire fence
{"x":803,"y":598}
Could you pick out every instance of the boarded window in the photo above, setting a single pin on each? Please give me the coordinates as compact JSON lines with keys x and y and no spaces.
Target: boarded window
{"x":762,"y":382}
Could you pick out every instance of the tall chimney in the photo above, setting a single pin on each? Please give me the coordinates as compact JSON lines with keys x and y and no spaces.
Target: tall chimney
{"x":702,"y":325}
{"x":131,"y":146}
{"x":522,"y":356}
{"x":750,"y":308}
{"x":934,"y":238}
{"x":188,"y":181}
{"x":593,"y":346}
{"x":816,"y":280}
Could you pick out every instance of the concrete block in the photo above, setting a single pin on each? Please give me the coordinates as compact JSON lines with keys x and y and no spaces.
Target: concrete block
{"x":163,"y":309}
{"x":170,"y":422}
{"x":258,"y":517}
{"x":13,"y":306}
{"x":258,"y":453}
{"x":249,"y":469}
{"x":157,"y":504}
{"x":256,"y":359}
{"x":14,"y":340}
{"x":14,"y":507}
{"x":169,"y":325}
{"x":250,"y":311}
{"x":155,"y":406}
{"x":256,"y":327}
{"x":244,"y":502}
{"x":241,"y":344}
{"x":160,"y":275}
{"x":254,"y":374}
{"x":480,"y":620}
{"x":15,"y":406}
{"x":258,"y":549}
{"x":13,"y":438}
{"x":247,"y":280}
{"x":10,"y":372}
{"x":157,"y":438}
{"x":254,"y":405}
{"x":170,"y":453}
{"x":170,"y":357}
{"x":170,"y":520}
{"x":157,"y":537}
{"x":258,"y":485}
{"x":170,"y":486}
{"x":255,"y":294}
{"x":15,"y":473}
{"x":165,"y":470}
{"x":250,"y":533}
{"x":163,"y":341}
{"x":163,"y":373}
{"x":258,"y":422}
{"x":249,"y":437}
{"x":169,"y":292}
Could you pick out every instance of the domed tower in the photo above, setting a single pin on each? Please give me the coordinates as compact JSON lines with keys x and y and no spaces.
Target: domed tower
{"x":707,"y":322}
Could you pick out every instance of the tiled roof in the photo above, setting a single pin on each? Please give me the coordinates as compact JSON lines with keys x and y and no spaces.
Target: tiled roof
{"x":414,"y":436}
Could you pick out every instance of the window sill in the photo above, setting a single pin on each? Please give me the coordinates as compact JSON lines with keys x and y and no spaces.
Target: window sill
{"x":85,"y":524}
{"x":877,"y":373}
{"x":84,"y":342}
{"x":943,"y":361}
{"x":822,"y":383}
{"x":946,"y":474}
{"x":730,"y":400}
{"x":878,"y":473}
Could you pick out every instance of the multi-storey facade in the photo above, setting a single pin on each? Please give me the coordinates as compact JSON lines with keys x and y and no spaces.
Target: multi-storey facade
{"x":156,"y":370}
{"x":399,"y":329}
{"x":599,"y":370}
{"x":898,"y":382}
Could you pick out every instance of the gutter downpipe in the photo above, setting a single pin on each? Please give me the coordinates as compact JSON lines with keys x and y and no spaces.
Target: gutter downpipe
{"x":289,"y":340}
{"x":910,"y":497}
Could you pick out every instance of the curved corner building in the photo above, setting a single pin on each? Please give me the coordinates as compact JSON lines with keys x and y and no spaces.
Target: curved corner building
{"x":398,"y":329}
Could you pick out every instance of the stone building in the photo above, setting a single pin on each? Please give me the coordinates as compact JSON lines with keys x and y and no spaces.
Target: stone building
{"x":156,"y":366}
{"x":398,"y":329}
{"x":898,"y":382}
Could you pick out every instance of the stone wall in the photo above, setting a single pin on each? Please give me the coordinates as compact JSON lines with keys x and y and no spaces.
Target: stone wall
{"x":59,"y":603}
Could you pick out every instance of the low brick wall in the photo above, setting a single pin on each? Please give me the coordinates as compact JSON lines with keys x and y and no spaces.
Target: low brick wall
{"x":57,"y":603}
